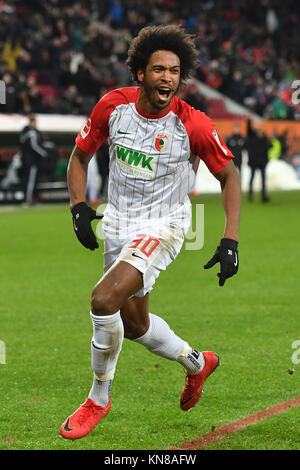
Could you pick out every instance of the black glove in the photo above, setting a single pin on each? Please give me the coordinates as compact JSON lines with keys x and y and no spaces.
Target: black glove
{"x":227,"y":254}
{"x":82,"y":216}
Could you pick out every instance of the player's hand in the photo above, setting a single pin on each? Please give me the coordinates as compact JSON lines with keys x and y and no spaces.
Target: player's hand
{"x":82,"y":216}
{"x":227,"y":255}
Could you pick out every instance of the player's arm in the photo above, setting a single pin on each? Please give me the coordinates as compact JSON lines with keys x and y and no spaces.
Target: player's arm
{"x":82,"y":214}
{"x":227,"y":251}
{"x":88,"y":140}
{"x":77,"y":175}
{"x":231,"y":199}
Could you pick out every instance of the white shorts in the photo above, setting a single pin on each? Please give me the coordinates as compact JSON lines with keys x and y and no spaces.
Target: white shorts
{"x":150,"y":250}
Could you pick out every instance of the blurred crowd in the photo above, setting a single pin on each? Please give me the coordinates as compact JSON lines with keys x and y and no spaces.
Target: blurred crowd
{"x":60,"y":56}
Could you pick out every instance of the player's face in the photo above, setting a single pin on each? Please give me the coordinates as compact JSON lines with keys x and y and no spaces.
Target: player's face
{"x":159,"y":82}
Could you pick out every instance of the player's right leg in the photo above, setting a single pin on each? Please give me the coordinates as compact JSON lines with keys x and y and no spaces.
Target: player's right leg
{"x":108,"y":296}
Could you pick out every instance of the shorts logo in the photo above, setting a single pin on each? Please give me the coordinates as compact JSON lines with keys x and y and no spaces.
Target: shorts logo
{"x":162,"y":141}
{"x":86,"y":129}
{"x":136,"y":163}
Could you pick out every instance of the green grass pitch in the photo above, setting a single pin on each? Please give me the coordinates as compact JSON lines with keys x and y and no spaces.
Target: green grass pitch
{"x":251,"y":322}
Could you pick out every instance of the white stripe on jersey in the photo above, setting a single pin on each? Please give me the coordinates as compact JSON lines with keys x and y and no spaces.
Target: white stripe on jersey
{"x":150,"y":173}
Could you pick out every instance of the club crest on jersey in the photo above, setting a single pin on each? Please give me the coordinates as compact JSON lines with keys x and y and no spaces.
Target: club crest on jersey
{"x":86,"y":129}
{"x":162,"y":141}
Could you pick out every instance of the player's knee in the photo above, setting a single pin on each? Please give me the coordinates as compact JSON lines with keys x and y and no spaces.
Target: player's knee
{"x":103,"y":303}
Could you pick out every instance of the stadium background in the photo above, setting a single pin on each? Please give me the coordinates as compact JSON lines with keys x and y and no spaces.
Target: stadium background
{"x":56,"y":59}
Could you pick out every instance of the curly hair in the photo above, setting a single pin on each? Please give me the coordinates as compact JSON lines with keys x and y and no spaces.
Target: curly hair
{"x":171,"y":38}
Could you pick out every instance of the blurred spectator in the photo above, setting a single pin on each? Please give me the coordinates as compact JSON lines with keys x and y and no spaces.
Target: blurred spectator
{"x":117,"y":13}
{"x":250,"y":54}
{"x":237,"y":87}
{"x":275,"y":150}
{"x":34,"y":102}
{"x":258,"y":146}
{"x":10,"y":92}
{"x":279,"y":146}
{"x":212,"y":74}
{"x":32,"y":154}
{"x":194,"y":98}
{"x":71,"y":101}
{"x":10,"y":54}
{"x":237,"y":143}
{"x":88,"y":80}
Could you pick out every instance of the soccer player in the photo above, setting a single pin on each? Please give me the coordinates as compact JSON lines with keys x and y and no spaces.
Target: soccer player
{"x":153,"y":136}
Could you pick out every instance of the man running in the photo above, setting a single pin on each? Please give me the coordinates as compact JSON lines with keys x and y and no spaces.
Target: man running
{"x":153,"y":137}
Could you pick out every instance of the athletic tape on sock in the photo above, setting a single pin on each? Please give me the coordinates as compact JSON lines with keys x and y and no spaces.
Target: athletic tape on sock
{"x":108,"y":335}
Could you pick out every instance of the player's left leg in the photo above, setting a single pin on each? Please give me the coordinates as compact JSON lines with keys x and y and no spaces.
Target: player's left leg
{"x":154,"y":333}
{"x":159,"y":339}
{"x":151,"y":253}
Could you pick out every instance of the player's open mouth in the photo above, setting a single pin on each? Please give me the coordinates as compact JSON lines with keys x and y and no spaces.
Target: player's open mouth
{"x":164,"y":93}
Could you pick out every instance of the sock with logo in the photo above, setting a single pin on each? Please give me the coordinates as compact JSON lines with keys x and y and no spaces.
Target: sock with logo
{"x":193,"y":361}
{"x":161,"y":340}
{"x":108,"y":335}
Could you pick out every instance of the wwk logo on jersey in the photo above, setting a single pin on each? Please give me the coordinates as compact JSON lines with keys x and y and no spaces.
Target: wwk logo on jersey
{"x":136,"y":163}
{"x":162,"y":141}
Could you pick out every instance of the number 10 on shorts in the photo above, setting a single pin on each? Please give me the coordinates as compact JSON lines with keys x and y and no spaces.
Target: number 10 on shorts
{"x":145,"y":243}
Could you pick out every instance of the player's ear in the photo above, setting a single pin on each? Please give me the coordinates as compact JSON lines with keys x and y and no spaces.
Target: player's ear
{"x":140,"y":75}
